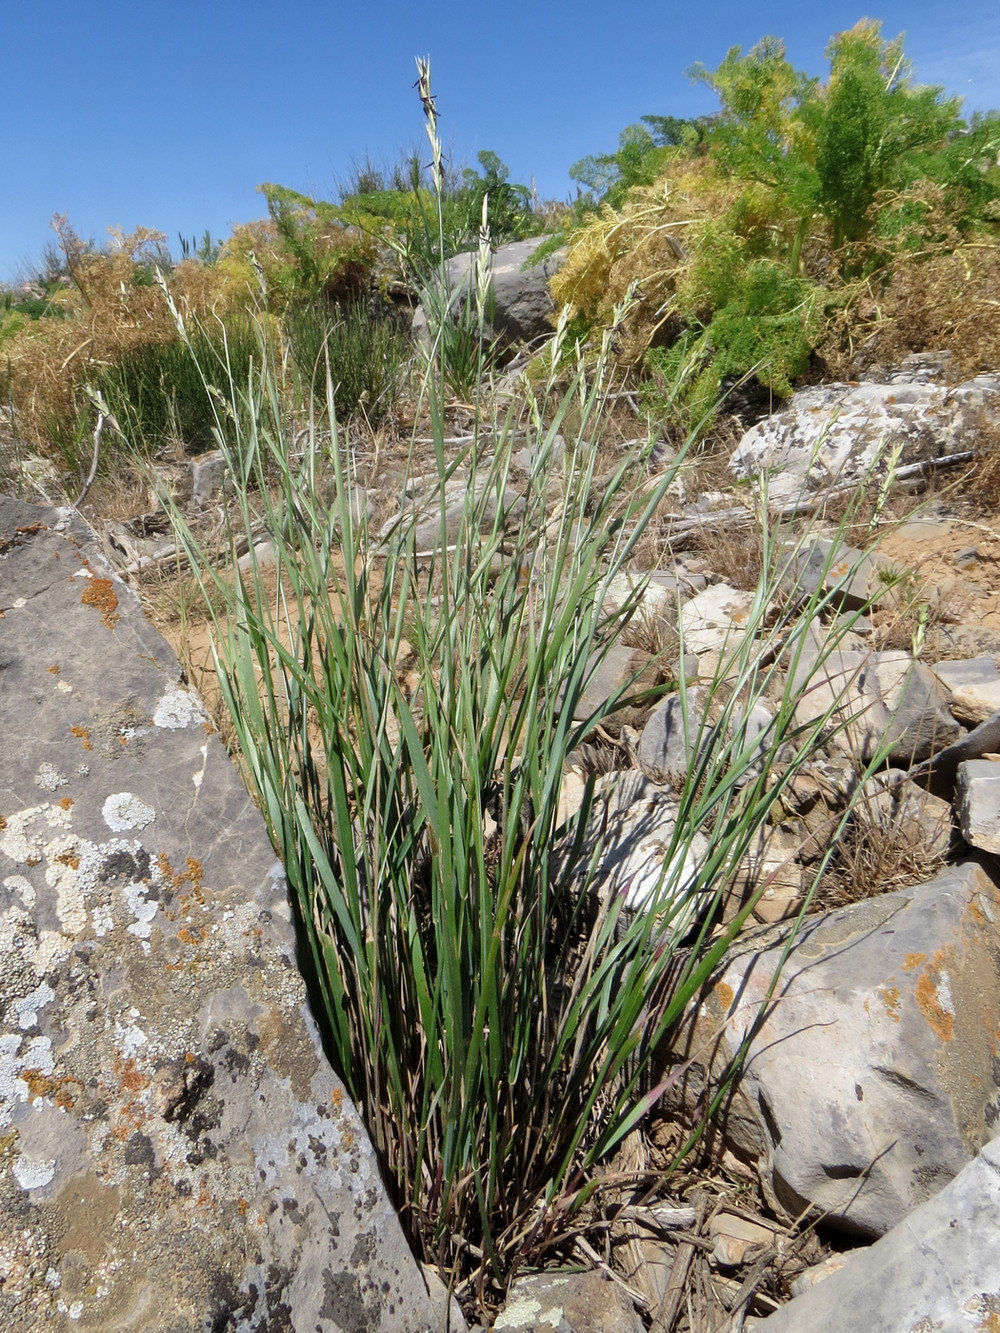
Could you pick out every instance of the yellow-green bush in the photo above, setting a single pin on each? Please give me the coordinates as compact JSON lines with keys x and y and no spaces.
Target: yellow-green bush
{"x":112,"y":306}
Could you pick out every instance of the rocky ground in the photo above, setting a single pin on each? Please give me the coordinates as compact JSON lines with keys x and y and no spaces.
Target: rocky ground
{"x":871,"y":1086}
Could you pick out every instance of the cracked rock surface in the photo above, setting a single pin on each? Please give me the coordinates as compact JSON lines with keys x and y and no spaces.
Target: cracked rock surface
{"x":175,"y":1152}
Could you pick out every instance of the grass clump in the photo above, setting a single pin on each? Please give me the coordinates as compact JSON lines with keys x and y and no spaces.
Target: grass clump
{"x":405,"y":702}
{"x":163,"y":393}
{"x":365,"y":350}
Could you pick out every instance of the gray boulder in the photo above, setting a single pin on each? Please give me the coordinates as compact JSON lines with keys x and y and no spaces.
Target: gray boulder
{"x":871,"y":1079}
{"x":937,"y":1272}
{"x":834,"y":433}
{"x":978,"y":803}
{"x":884,"y":703}
{"x":670,"y":737}
{"x":632,"y":855}
{"x":521,"y":307}
{"x":176,"y":1151}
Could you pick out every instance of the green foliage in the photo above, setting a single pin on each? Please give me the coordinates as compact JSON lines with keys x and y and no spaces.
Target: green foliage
{"x":763,"y":323}
{"x":508,"y":207}
{"x":316,"y":250}
{"x":418,"y":219}
{"x":168,"y":393}
{"x":492,"y":1008}
{"x":205,"y":251}
{"x":363,"y":350}
{"x":607,"y":177}
{"x":494,"y":1014}
{"x":878,"y":130}
{"x":795,"y":190}
{"x":832,"y":149}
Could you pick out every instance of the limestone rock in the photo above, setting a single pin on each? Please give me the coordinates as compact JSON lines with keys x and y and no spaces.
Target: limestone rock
{"x":820,"y":565}
{"x":839,"y":685}
{"x":715,"y":620}
{"x":176,"y":1152}
{"x":521,"y":306}
{"x":875,"y":702}
{"x":871,"y":1080}
{"x":567,"y":1303}
{"x":670,"y":737}
{"x":975,"y":688}
{"x":737,"y":1240}
{"x":630,"y":831}
{"x":919,"y":723}
{"x":939,"y":1270}
{"x":977,"y":801}
{"x":467,"y":498}
{"x":835,"y":433}
{"x":939,"y":773}
{"x":609,"y":671}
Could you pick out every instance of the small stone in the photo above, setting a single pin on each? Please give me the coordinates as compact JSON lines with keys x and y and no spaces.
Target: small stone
{"x":736,"y":1240}
{"x":977,"y":801}
{"x":716,"y":619}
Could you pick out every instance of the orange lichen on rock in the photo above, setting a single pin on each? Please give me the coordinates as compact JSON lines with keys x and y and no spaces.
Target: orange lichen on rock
{"x":192,"y":877}
{"x":100,"y":593}
{"x":938,"y":1015}
{"x":913,"y":960}
{"x":82,"y":734}
{"x":890,"y":998}
{"x":724,"y":995}
{"x":44,"y":1085}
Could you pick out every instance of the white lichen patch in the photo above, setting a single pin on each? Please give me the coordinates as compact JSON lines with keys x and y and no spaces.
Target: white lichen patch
{"x":63,"y":687}
{"x":143,"y":910}
{"x":522,"y":1311}
{"x":129,"y":1040}
{"x":102,"y":922}
{"x":17,"y":1057}
{"x":49,"y":778}
{"x":33,"y":1175}
{"x":24,"y":889}
{"x":61,"y":862}
{"x":178,"y":708}
{"x":24,"y":837}
{"x":26,"y":1009}
{"x":122,"y":811}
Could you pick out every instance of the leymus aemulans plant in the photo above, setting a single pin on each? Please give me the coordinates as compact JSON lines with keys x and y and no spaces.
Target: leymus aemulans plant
{"x":492,"y":1013}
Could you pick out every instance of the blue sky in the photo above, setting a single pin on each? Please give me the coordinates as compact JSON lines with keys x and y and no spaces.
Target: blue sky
{"x":170,"y":116}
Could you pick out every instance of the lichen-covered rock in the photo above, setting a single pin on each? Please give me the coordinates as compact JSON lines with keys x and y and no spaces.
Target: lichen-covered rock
{"x":567,"y":1303}
{"x":175,"y":1151}
{"x":937,"y":1272}
{"x":871,"y":1079}
{"x":835,"y":433}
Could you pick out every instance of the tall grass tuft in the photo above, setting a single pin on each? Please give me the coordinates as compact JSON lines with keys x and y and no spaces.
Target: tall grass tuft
{"x":367,"y":353}
{"x":163,"y":393}
{"x":404,"y":706}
